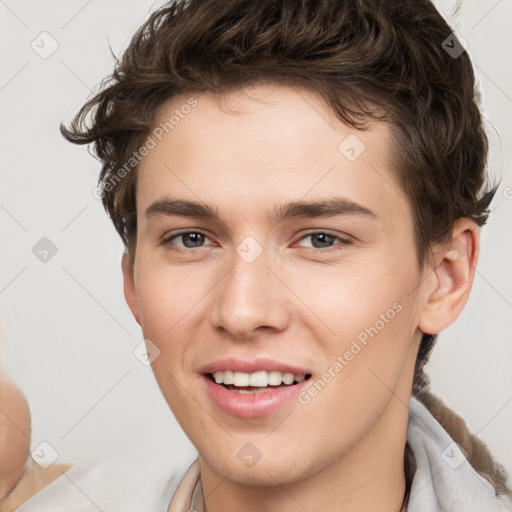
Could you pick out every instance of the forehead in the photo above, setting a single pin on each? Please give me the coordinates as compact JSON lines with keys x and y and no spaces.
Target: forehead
{"x":265,"y":144}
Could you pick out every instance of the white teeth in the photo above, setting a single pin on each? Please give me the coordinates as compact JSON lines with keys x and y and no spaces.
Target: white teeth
{"x":250,"y":392}
{"x":241,"y":379}
{"x":288,"y":378}
{"x":260,"y":379}
{"x":274,"y":378}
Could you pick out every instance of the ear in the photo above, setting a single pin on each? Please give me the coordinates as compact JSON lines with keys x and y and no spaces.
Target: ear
{"x":450,"y":281}
{"x":129,"y":286}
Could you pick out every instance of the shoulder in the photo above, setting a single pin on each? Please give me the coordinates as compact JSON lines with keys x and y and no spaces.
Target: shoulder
{"x":476,"y":451}
{"x":453,"y":470}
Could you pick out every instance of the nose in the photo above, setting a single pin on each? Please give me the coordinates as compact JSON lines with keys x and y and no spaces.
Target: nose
{"x":250,"y":299}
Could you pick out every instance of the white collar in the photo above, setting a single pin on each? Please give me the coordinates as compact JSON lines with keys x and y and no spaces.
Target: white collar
{"x":444,"y":480}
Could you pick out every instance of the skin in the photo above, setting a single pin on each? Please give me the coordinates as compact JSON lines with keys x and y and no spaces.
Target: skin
{"x":254,"y":150}
{"x":18,"y":481}
{"x":14,"y":435}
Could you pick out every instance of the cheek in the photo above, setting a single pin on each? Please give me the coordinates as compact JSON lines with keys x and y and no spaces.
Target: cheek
{"x":365,"y":320}
{"x":166,"y":298}
{"x":168,"y":295}
{"x":357,"y":294}
{"x":371,"y":320}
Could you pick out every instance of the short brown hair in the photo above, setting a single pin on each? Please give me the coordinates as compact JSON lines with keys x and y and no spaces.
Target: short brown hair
{"x":368,"y":59}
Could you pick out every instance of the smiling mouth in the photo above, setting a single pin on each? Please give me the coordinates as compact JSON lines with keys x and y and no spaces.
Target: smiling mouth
{"x":257,"y":382}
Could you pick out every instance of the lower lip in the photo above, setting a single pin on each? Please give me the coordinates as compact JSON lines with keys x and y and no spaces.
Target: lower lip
{"x":252,"y":405}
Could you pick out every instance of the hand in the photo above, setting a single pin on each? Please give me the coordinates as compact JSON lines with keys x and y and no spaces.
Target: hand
{"x":18,"y":481}
{"x":15,"y":430}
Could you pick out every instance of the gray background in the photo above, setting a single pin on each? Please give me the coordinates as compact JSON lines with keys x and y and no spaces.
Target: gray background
{"x":66,"y":334}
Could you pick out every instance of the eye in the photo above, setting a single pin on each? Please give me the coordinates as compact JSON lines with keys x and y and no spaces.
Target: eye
{"x":188,"y":239}
{"x":322,"y":240}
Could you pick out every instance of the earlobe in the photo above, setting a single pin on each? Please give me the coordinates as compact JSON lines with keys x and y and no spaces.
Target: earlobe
{"x":451,"y":279}
{"x":129,"y":286}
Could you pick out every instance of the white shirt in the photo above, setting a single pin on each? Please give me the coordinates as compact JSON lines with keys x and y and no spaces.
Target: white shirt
{"x":444,"y":480}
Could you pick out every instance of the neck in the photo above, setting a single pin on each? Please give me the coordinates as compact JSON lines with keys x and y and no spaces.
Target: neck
{"x":367,"y":478}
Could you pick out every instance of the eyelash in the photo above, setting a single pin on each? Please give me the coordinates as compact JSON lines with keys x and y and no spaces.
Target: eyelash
{"x":342,"y":241}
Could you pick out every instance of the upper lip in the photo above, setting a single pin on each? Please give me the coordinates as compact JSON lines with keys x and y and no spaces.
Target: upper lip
{"x":252,"y":366}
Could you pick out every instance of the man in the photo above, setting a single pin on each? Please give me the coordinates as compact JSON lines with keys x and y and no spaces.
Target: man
{"x":300,"y":187}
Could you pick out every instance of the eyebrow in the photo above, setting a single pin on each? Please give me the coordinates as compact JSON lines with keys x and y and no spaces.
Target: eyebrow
{"x":328,"y":207}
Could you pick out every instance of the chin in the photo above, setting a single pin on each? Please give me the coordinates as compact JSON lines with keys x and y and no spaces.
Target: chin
{"x":275,"y":467}
{"x":266,"y":473}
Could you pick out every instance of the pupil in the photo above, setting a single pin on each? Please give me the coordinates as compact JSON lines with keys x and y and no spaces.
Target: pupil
{"x":323,"y":239}
{"x":195,"y":239}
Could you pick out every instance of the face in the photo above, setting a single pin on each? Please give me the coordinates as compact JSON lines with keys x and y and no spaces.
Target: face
{"x":277,"y":275}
